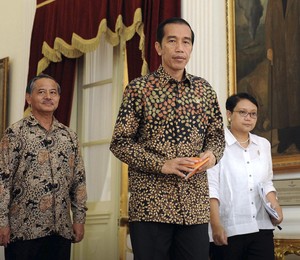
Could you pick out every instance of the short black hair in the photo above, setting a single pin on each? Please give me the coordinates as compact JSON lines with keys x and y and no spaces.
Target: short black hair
{"x":160,"y":29}
{"x":30,"y":84}
{"x":232,"y":101}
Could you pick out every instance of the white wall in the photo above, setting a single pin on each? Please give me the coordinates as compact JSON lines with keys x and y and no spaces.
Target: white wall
{"x":15,"y":30}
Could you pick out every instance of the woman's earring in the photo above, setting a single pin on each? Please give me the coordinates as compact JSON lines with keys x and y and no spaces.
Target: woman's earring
{"x":229,"y":122}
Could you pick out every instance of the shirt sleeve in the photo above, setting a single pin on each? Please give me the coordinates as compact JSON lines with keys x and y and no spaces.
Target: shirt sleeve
{"x":213,"y":176}
{"x":78,"y":191}
{"x":215,"y":138}
{"x":124,"y":143}
{"x":268,"y":183}
{"x":7,"y":162}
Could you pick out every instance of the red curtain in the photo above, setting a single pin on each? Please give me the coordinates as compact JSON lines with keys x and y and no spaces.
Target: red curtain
{"x":63,"y":30}
{"x":154,"y":12}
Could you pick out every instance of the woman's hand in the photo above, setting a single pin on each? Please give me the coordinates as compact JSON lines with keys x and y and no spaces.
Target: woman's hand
{"x":219,"y":235}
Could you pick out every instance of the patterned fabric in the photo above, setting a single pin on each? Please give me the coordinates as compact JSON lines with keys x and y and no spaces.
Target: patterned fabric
{"x":42,"y":179}
{"x":161,"y":119}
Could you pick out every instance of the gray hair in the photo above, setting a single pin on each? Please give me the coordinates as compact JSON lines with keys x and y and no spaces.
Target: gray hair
{"x":31,"y":83}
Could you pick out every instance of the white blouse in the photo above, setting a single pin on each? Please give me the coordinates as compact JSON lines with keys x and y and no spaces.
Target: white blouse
{"x":234,"y":182}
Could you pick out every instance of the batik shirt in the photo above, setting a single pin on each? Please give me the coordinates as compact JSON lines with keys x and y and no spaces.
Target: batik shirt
{"x":162,"y":119}
{"x":42,"y":179}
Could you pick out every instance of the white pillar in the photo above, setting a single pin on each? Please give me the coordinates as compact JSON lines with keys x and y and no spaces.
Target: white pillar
{"x":209,"y":57}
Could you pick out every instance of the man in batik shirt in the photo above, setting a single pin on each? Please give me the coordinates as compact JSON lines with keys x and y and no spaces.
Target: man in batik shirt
{"x":42,"y":178}
{"x":165,"y":120}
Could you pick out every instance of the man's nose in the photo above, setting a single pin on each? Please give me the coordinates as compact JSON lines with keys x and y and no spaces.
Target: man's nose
{"x":179,"y":46}
{"x":47,"y":94}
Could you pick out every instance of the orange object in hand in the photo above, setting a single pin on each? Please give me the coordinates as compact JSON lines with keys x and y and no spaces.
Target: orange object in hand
{"x":196,"y":166}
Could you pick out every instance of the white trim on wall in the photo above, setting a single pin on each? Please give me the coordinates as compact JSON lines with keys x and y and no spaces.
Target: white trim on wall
{"x":209,"y":56}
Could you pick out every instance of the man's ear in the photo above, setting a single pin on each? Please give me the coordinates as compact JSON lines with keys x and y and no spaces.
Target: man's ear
{"x":158,"y":48}
{"x":28,"y":98}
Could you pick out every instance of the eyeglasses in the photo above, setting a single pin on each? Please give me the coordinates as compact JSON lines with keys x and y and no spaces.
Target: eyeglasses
{"x":245,"y":113}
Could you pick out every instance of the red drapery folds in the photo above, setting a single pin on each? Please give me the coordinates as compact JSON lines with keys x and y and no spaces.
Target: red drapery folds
{"x":63,"y":30}
{"x":154,"y":12}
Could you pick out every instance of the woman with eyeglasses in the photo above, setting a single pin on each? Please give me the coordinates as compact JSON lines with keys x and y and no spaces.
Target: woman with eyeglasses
{"x":240,"y":227}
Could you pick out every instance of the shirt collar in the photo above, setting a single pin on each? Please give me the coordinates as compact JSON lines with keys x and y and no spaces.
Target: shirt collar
{"x":165,"y":78}
{"x":230,"y":139}
{"x":31,"y":120}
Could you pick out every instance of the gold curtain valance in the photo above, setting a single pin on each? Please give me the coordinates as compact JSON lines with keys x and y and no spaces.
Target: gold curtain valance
{"x":79,"y":45}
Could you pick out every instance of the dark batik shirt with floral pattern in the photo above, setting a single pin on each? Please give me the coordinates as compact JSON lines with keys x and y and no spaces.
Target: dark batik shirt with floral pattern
{"x":161,"y":119}
{"x":42,"y":179}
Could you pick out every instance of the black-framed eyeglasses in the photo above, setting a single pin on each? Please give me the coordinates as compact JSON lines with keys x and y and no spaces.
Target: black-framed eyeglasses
{"x":243,"y":113}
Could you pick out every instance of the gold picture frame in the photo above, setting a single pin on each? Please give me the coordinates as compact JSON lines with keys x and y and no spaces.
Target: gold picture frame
{"x":3,"y":94}
{"x":281,"y":162}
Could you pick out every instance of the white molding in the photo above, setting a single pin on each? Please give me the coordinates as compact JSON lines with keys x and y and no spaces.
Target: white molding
{"x":97,"y":218}
{"x":209,"y":56}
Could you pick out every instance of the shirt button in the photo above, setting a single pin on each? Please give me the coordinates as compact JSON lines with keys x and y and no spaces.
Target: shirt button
{"x":250,"y":189}
{"x":253,"y":216}
{"x":248,"y":162}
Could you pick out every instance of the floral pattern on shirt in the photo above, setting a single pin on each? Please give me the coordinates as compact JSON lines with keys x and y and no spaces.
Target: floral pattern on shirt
{"x":160,"y":119}
{"x":42,"y":179}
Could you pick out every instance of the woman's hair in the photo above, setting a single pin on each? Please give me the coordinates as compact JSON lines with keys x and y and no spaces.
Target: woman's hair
{"x":232,"y":101}
{"x":177,"y":20}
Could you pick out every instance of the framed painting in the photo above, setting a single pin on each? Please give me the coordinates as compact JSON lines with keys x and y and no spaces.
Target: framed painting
{"x":3,"y":94}
{"x":263,"y":50}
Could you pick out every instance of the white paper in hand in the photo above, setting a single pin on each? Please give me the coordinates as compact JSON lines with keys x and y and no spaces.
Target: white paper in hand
{"x":272,"y":212}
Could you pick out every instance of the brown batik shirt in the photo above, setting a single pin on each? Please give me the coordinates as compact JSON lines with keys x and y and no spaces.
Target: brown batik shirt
{"x":161,"y":119}
{"x":42,"y":178}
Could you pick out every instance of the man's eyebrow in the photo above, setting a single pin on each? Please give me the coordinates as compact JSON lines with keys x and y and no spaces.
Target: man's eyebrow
{"x":173,"y":36}
{"x":188,"y":38}
{"x":43,"y":88}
